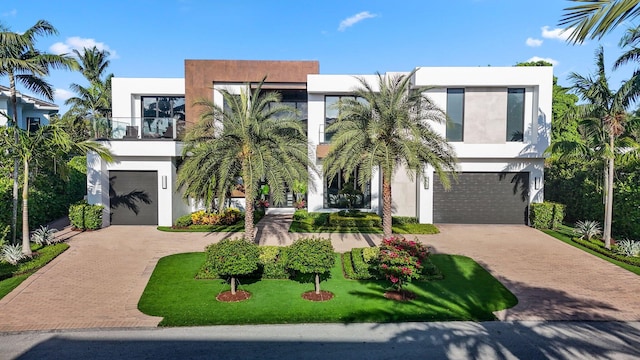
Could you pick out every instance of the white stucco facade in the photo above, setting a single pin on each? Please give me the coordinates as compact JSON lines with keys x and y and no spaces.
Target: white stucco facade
{"x":483,"y":150}
{"x":28,"y":107}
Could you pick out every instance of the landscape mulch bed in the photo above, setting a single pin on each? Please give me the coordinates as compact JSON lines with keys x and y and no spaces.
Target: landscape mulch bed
{"x":227,"y":296}
{"x":322,"y":296}
{"x":402,"y":295}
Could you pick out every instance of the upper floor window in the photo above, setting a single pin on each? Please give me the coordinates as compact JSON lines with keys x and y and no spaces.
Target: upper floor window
{"x":455,"y":114}
{"x":163,"y":107}
{"x":332,"y":112}
{"x":515,"y":114}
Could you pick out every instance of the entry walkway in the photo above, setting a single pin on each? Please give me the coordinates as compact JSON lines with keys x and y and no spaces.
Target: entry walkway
{"x":97,"y":282}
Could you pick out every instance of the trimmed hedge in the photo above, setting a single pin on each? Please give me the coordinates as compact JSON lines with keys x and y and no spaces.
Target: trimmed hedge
{"x":635,"y":261}
{"x":86,"y":217}
{"x":273,"y":263}
{"x":347,"y":266}
{"x":403,"y":220}
{"x":546,"y":215}
{"x":355,"y":219}
{"x":360,"y":267}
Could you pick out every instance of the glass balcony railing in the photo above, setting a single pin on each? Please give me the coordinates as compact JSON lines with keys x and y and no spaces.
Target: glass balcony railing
{"x":137,"y":128}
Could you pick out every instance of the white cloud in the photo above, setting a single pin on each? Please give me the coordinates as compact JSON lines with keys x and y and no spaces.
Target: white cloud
{"x":352,"y":20}
{"x":557,"y":33}
{"x":62,"y":94}
{"x":549,"y":60}
{"x":12,"y":13}
{"x":533,"y":42}
{"x":78,"y":43}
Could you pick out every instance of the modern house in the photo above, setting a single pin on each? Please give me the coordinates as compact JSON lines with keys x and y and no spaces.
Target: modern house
{"x":31,"y":112}
{"x":499,"y":124}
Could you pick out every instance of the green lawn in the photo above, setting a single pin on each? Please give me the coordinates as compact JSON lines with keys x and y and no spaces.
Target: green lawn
{"x":14,"y":275}
{"x":564,"y":234}
{"x":468,"y":292}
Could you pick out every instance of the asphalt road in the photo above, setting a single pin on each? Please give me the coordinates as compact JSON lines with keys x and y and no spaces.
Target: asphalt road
{"x":450,"y":340}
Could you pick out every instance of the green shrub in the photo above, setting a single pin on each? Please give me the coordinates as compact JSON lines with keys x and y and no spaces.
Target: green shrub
{"x":403,"y":220}
{"x":360,"y":267}
{"x":546,"y":215}
{"x":311,"y":256}
{"x":350,"y":220}
{"x":232,"y":258}
{"x":588,"y":229}
{"x":183,"y":221}
{"x":300,"y":214}
{"x":370,"y":254}
{"x":347,"y":266}
{"x":86,"y":217}
{"x":273,"y":262}
{"x":598,"y":247}
{"x":321,"y":219}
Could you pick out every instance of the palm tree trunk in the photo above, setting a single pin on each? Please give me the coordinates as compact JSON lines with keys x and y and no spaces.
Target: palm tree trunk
{"x":249,"y":208}
{"x":26,"y":246}
{"x":317,"y":284}
{"x":609,"y":199}
{"x":14,"y":204}
{"x":386,"y":206}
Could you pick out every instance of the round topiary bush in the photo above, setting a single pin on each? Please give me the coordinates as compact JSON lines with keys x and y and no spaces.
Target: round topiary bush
{"x":311,"y":256}
{"x":233,"y":258}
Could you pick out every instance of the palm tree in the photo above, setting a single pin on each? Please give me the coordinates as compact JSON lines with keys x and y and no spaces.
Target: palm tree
{"x":22,"y":63}
{"x":605,"y":117}
{"x":592,"y":19}
{"x":92,"y":102}
{"x":93,"y":63}
{"x":389,"y":129}
{"x":45,"y":143}
{"x":252,"y":137}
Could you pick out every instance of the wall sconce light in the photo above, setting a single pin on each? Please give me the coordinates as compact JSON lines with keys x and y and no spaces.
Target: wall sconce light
{"x":425,"y":183}
{"x":537,"y":183}
{"x":164,"y":181}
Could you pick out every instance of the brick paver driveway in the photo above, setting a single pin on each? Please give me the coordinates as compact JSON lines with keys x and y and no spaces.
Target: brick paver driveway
{"x":98,"y":281}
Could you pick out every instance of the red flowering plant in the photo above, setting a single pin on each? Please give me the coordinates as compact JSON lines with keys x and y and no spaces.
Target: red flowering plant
{"x":400,"y":260}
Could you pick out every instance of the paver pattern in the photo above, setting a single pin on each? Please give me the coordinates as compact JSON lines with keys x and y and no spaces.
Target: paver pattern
{"x":97,"y":282}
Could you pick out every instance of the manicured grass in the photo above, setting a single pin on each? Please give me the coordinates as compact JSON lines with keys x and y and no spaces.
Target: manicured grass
{"x":564,"y":234}
{"x":14,"y":275}
{"x":416,"y":229}
{"x":468,"y":292}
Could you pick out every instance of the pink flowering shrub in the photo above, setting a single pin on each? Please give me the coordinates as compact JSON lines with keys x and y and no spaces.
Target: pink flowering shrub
{"x":400,"y":260}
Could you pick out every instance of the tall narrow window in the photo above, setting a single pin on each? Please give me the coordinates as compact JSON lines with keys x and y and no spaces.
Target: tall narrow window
{"x":455,"y":114}
{"x":330,"y":114}
{"x":515,"y":115}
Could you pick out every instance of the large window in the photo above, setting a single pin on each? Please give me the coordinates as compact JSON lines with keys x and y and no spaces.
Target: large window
{"x":296,"y":99}
{"x":159,"y":113}
{"x":455,"y":114}
{"x":332,"y":112}
{"x":515,"y":114}
{"x":342,"y":193}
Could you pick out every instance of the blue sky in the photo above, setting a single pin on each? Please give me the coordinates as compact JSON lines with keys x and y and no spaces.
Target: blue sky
{"x":151,"y":38}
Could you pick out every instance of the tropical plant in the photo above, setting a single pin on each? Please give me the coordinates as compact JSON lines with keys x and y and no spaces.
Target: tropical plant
{"x":251,"y":137}
{"x":44,"y":236}
{"x":22,"y":63}
{"x":628,"y":247}
{"x":592,"y":19}
{"x":12,"y":253}
{"x":233,"y":258}
{"x":400,"y":261}
{"x":93,"y":63}
{"x":44,"y":143}
{"x":387,"y":129}
{"x":604,"y":115}
{"x":587,"y":229}
{"x":311,"y":256}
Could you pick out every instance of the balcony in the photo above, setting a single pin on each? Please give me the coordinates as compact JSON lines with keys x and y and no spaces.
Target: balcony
{"x":147,"y":128}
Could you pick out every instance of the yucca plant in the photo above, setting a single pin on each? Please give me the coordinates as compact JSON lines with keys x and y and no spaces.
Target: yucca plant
{"x":44,"y":236}
{"x":12,"y":253}
{"x":587,"y":229}
{"x":628,"y":247}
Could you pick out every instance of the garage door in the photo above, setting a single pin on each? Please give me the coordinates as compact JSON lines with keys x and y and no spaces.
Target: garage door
{"x":483,"y":198}
{"x":134,"y":197}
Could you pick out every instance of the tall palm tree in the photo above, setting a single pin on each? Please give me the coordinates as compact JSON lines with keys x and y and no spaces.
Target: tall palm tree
{"x":252,"y":137}
{"x":44,"y":143}
{"x":605,"y":117}
{"x":389,"y":129}
{"x":22,"y":63}
{"x":592,"y":19}
{"x":93,"y":63}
